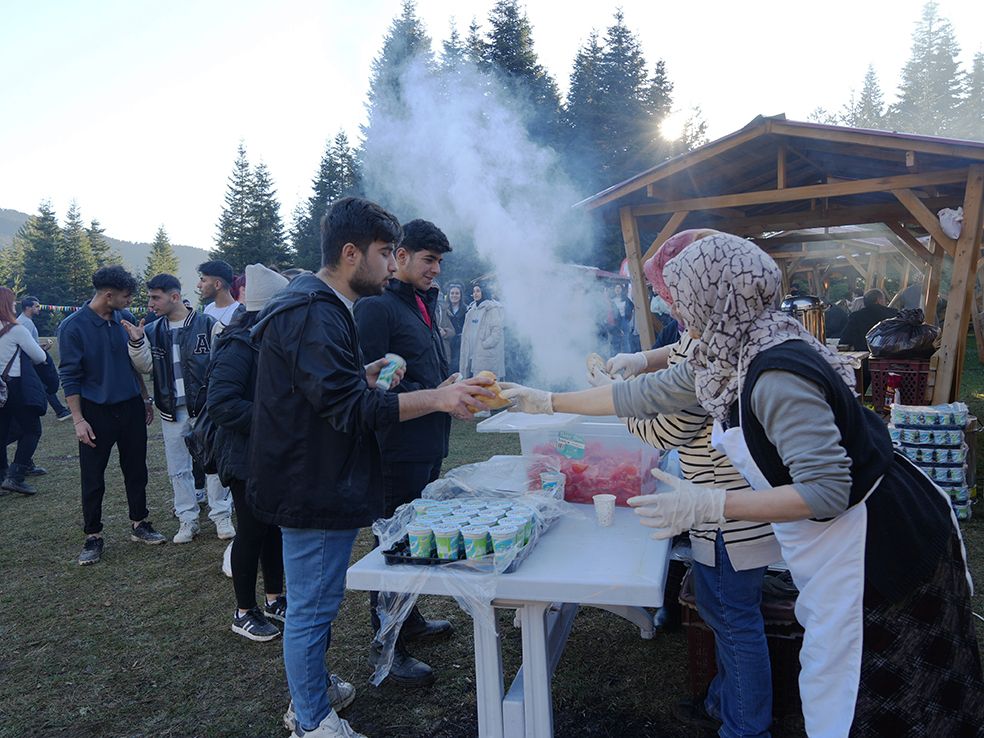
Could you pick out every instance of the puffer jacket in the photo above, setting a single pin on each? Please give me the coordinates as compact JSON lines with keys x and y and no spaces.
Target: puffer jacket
{"x":231,"y":387}
{"x":314,"y":460}
{"x":482,"y":344}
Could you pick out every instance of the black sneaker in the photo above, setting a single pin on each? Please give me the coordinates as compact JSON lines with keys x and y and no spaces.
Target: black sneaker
{"x":13,"y":484}
{"x":693,"y":713}
{"x":144,"y":533}
{"x":36,"y":471}
{"x":254,"y":626}
{"x":276,"y":610}
{"x":91,"y":552}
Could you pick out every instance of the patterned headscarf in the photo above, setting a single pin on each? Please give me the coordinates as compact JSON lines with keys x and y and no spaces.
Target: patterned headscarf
{"x":653,"y":268}
{"x":726,"y":287}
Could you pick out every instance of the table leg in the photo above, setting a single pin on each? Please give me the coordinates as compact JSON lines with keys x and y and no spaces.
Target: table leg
{"x":639,"y":616}
{"x":536,"y":671}
{"x":488,"y":674}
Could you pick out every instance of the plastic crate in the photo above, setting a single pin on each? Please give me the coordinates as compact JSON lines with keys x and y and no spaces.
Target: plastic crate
{"x":784,"y":637}
{"x":915,"y":380}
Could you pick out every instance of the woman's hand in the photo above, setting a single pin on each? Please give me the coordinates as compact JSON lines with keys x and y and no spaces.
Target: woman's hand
{"x":527,"y":399}
{"x":627,"y":365}
{"x":679,"y":510}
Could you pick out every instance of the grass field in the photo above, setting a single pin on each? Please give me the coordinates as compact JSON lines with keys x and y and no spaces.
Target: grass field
{"x":140,"y":645}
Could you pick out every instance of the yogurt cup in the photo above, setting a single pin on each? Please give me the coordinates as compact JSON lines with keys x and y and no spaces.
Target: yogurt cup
{"x":552,"y":480}
{"x":421,"y":537}
{"x":388,"y":373}
{"x":447,"y":540}
{"x":503,"y":540}
{"x":486,"y":520}
{"x":477,"y":542}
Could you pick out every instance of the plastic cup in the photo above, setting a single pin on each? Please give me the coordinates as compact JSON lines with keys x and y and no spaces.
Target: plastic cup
{"x":833,"y":343}
{"x":486,"y":520}
{"x":388,"y":373}
{"x":552,"y":480}
{"x":604,"y":509}
{"x":447,"y":540}
{"x":421,"y":538}
{"x":477,"y":542}
{"x":422,"y":506}
{"x":503,"y":539}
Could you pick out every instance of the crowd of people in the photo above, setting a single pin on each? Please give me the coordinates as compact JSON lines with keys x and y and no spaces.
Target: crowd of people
{"x":778,"y":459}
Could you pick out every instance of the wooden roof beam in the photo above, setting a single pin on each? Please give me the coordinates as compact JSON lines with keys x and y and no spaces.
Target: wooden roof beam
{"x":821,"y":237}
{"x":911,"y":241}
{"x":790,"y":194}
{"x":671,"y":227}
{"x":926,"y":219}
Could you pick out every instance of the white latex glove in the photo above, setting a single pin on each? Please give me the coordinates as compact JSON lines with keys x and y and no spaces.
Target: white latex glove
{"x":527,"y":399}
{"x":627,"y":365}
{"x":686,"y":506}
{"x":598,"y":378}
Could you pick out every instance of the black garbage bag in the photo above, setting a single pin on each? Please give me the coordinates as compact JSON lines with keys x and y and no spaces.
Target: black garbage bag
{"x":905,"y":336}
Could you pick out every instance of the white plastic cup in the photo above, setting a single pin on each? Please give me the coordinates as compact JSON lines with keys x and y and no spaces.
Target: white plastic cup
{"x":503,"y":539}
{"x":552,"y":480}
{"x":604,"y":509}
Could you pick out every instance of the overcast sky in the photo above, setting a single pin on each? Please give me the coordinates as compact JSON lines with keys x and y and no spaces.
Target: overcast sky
{"x":135,"y":109}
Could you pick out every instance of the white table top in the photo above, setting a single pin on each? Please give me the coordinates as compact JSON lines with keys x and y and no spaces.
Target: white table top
{"x":575,"y":561}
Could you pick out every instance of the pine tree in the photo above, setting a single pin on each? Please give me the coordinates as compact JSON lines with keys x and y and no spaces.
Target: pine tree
{"x":509,"y":53}
{"x":475,"y":43}
{"x":694,"y":130}
{"x":102,"y":252}
{"x":866,"y":110}
{"x":233,"y":223}
{"x":338,"y":176}
{"x":45,"y":275}
{"x":971,"y":110}
{"x":161,"y":259}
{"x":265,"y":240}
{"x":583,"y":116}
{"x":929,"y":92}
{"x":12,"y":264}
{"x":406,"y":40}
{"x":76,"y":258}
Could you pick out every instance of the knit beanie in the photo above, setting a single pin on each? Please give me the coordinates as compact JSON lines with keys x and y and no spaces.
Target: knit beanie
{"x":261,"y":285}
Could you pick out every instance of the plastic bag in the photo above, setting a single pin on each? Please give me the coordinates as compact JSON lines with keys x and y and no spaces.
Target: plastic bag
{"x":951,"y":221}
{"x":904,"y":336}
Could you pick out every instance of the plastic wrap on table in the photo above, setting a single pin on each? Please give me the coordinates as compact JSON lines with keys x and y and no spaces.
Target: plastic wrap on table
{"x":601,"y":469}
{"x":951,"y":415}
{"x":471,"y":581}
{"x":904,"y":336}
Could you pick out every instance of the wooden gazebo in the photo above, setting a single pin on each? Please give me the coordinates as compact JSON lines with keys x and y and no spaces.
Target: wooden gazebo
{"x":774,"y":178}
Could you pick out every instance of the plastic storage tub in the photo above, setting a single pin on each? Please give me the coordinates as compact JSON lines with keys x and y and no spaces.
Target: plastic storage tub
{"x":596,"y":455}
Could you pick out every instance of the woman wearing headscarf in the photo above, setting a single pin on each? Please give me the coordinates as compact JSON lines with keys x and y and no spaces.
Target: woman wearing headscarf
{"x":482,"y":344}
{"x":730,"y":558}
{"x":872,"y":544}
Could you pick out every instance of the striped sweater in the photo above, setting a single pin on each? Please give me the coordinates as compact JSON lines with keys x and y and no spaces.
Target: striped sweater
{"x":749,"y":545}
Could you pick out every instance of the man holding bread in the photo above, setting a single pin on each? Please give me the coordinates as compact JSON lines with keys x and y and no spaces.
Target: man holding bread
{"x":404,"y":321}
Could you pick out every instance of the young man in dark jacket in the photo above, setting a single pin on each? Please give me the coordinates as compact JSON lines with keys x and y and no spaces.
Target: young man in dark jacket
{"x":104,"y":393}
{"x":176,"y":349}
{"x":314,"y":470}
{"x":404,"y":321}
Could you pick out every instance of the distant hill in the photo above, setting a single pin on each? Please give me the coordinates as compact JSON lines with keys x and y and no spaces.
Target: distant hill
{"x":134,"y":254}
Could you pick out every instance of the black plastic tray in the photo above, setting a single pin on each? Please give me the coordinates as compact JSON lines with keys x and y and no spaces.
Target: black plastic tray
{"x":400,"y":554}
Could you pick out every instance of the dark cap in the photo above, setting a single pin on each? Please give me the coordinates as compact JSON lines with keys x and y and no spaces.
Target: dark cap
{"x":217,"y":268}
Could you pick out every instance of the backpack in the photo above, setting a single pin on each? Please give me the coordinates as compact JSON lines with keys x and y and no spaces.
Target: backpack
{"x":201,"y":432}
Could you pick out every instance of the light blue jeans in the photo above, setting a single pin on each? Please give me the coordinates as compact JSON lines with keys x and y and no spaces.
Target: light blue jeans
{"x":730,"y":602}
{"x":314,"y":565}
{"x":183,"y":479}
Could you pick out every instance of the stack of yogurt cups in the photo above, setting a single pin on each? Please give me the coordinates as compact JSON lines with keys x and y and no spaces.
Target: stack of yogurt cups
{"x":469,"y":528}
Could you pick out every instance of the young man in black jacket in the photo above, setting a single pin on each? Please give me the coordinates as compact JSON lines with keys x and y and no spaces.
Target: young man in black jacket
{"x":404,"y":321}
{"x":176,"y":349}
{"x":314,"y":470}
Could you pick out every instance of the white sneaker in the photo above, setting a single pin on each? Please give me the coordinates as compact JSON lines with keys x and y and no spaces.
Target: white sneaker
{"x":331,"y":727}
{"x":224,"y":529}
{"x":186,"y":532}
{"x":227,"y":561}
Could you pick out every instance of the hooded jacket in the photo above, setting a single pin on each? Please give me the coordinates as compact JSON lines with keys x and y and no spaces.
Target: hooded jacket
{"x":231,"y":388}
{"x":392,"y":323}
{"x":314,"y":460}
{"x":482,"y":346}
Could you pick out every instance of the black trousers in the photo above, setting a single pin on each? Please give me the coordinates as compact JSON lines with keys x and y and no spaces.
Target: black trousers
{"x":403,"y":481}
{"x":28,"y":420}
{"x":124,"y":425}
{"x":255,"y":542}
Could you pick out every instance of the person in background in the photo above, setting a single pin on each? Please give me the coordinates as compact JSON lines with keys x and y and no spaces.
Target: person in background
{"x":238,"y":289}
{"x":835,"y":319}
{"x":858,"y":302}
{"x":231,"y":389}
{"x":623,"y":320}
{"x":30,"y":308}
{"x":214,"y":284}
{"x":176,"y":350}
{"x":482,"y":341}
{"x":21,"y":379}
{"x":404,"y":321}
{"x":109,"y":405}
{"x":863,"y":320}
{"x":455,"y":311}
{"x":444,"y":326}
{"x":314,"y":469}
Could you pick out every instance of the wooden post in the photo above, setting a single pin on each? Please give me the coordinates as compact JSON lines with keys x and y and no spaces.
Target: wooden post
{"x":633,"y":252}
{"x":670,"y":229}
{"x":931,"y":292}
{"x":905,"y":276}
{"x":965,"y":259}
{"x":781,"y":168}
{"x":975,"y":310}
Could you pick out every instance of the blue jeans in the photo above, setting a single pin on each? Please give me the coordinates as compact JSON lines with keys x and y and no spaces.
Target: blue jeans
{"x":730,"y":602}
{"x":314,"y":564}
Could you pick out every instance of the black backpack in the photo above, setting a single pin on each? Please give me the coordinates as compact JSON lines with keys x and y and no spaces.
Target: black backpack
{"x":201,"y":432}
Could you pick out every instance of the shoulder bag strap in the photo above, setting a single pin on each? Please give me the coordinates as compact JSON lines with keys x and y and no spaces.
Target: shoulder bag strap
{"x":6,"y":371}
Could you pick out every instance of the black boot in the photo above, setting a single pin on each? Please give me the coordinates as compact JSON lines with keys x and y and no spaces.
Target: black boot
{"x":418,"y":628}
{"x":406,"y":670}
{"x":14,"y":480}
